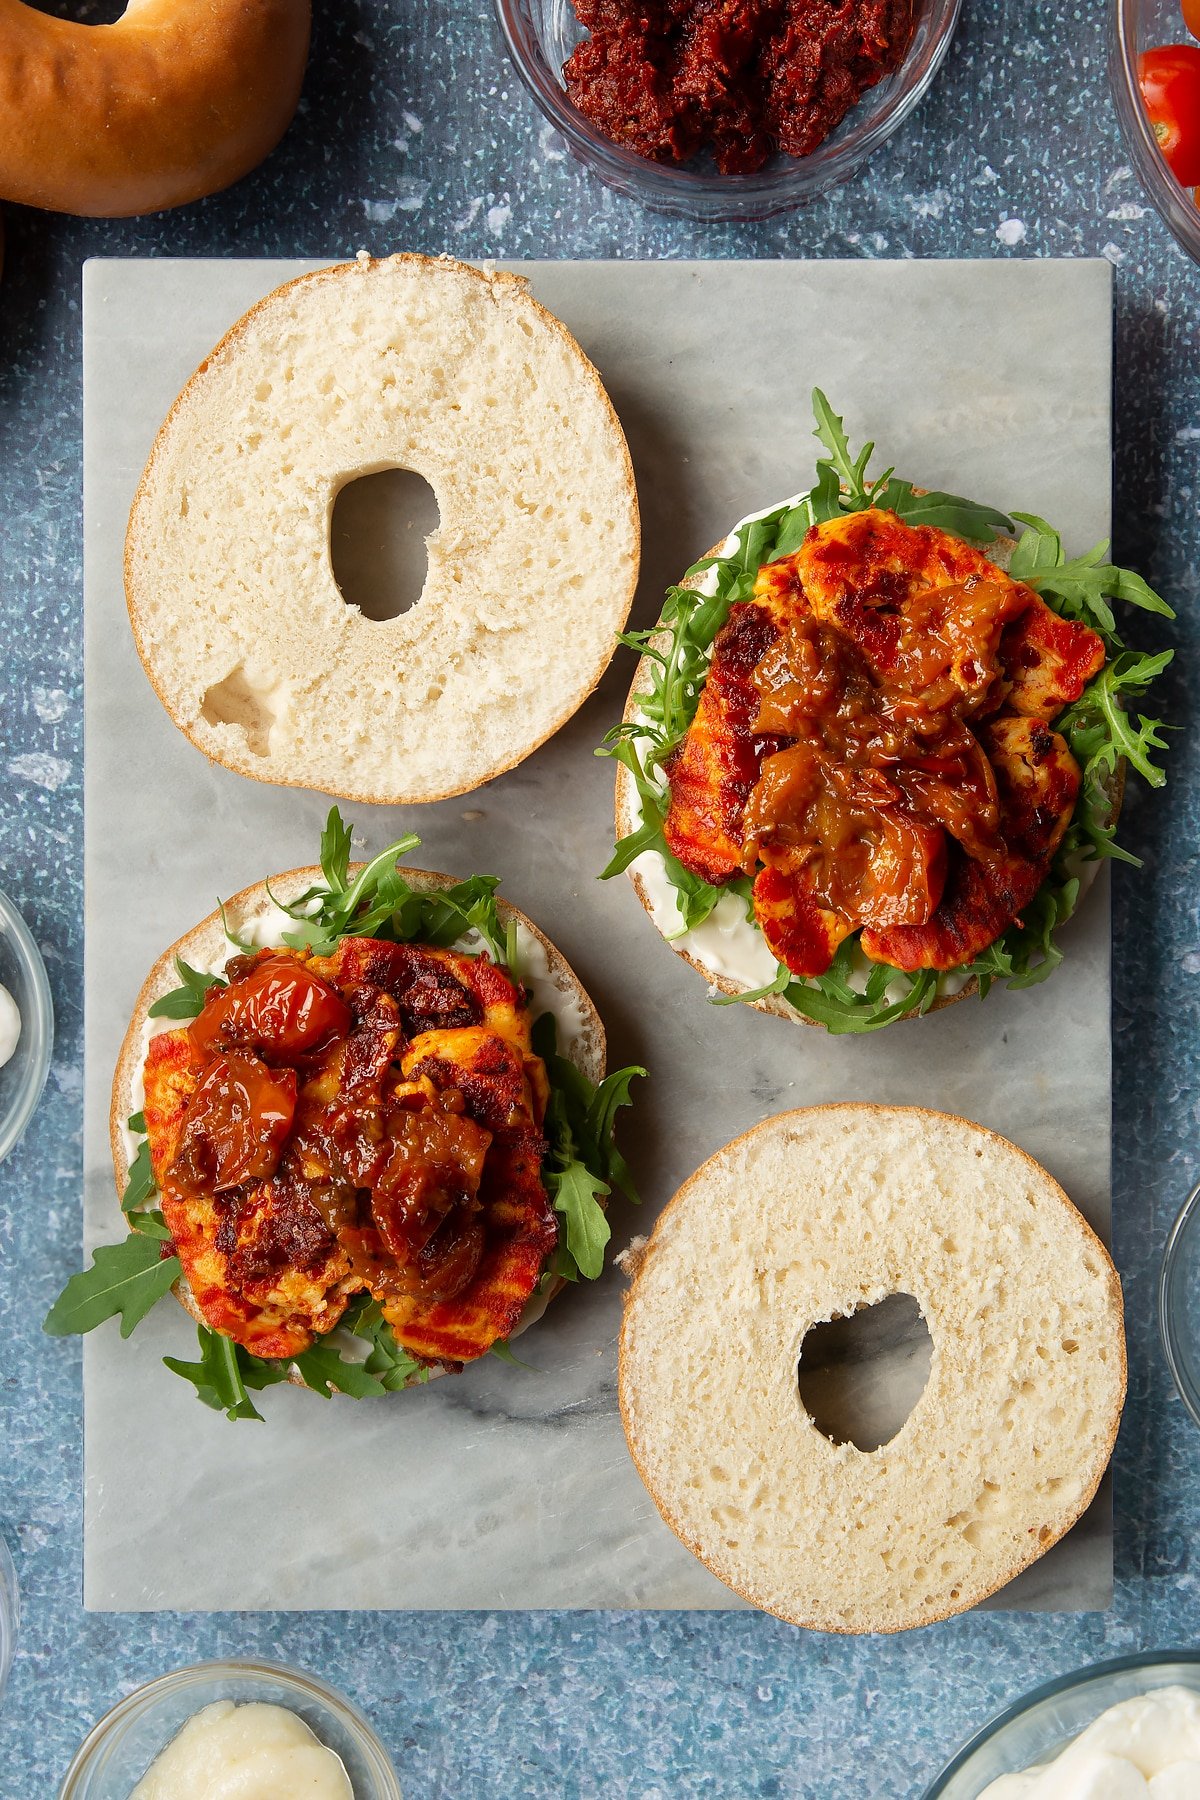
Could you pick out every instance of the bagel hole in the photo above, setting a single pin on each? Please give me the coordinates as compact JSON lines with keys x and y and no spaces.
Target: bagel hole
{"x":860,"y":1377}
{"x":84,"y":12}
{"x":377,"y":534}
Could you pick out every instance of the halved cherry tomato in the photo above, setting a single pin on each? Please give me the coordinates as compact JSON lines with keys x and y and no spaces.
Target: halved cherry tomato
{"x":278,"y":1007}
{"x":236,"y":1124}
{"x":1169,"y":79}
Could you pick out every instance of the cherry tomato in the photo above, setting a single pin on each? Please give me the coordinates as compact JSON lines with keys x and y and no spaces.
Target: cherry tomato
{"x":278,"y":1007}
{"x":236,"y":1123}
{"x":1169,"y":79}
{"x":1191,"y":16}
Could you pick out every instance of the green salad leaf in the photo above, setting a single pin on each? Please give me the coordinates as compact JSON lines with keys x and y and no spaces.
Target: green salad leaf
{"x":224,"y":1372}
{"x":151,"y":1224}
{"x":124,"y":1280}
{"x":140,"y":1187}
{"x":185,"y":1001}
{"x":1101,"y":730}
{"x":325,"y":1370}
{"x":1079,"y":588}
{"x":379,"y":902}
{"x":391,"y":1365}
{"x":582,"y":1163}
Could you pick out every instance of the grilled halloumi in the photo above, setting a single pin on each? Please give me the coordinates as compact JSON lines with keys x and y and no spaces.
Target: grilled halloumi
{"x":401,"y":1156}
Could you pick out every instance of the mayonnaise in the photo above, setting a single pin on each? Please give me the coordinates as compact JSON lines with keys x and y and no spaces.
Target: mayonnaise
{"x":253,"y":1752}
{"x":10,"y":1026}
{"x":1147,"y":1746}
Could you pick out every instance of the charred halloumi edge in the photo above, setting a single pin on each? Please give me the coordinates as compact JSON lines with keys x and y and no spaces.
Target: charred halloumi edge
{"x":253,"y":916}
{"x":648,"y":874}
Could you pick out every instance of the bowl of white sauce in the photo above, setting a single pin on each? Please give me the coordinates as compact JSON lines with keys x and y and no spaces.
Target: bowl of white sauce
{"x":1123,"y":1730}
{"x":26,"y":1025}
{"x":254,"y":1730}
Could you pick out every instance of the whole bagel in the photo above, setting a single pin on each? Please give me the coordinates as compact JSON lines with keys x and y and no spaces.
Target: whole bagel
{"x":176,"y":99}
{"x":812,"y":1216}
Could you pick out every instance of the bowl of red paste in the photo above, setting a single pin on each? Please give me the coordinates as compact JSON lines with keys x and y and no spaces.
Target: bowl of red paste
{"x":726,"y":109}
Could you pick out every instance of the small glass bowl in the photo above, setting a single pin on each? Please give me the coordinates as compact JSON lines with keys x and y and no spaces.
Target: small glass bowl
{"x":117,"y":1752}
{"x":23,"y":1076}
{"x":10,"y":1613}
{"x":1045,"y":1721}
{"x":1134,"y":26}
{"x":1179,"y":1302}
{"x":541,"y":34}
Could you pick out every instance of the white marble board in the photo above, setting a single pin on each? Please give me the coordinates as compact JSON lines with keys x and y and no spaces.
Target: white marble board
{"x":502,"y":1488}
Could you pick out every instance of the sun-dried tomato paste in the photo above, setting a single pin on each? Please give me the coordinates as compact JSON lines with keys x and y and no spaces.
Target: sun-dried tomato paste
{"x":742,"y":77}
{"x":874,"y":747}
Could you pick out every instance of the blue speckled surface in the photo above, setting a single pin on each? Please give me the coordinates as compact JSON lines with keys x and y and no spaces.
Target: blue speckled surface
{"x":414,"y":134}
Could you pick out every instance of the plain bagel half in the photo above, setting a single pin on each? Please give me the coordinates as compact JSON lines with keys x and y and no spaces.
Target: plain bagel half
{"x":553,"y":985}
{"x":814,"y":1215}
{"x":415,"y":363}
{"x":174,"y":100}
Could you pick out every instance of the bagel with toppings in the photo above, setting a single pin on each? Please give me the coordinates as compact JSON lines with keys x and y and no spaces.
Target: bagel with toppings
{"x":812,"y":1216}
{"x":875,"y":746}
{"x":345,"y":1134}
{"x":174,"y":100}
{"x":414,"y":363}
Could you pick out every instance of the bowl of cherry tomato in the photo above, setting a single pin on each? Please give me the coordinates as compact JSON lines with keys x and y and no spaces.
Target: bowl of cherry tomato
{"x":1155,"y":67}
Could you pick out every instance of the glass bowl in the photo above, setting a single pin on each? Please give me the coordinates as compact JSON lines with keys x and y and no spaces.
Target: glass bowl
{"x":23,"y":1076}
{"x":1134,"y":26}
{"x":117,"y":1752}
{"x":1045,"y":1721}
{"x":541,"y":34}
{"x":1179,"y":1302}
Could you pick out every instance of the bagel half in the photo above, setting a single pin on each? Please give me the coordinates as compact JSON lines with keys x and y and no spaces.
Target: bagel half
{"x":813,"y":1215}
{"x":411,"y":363}
{"x":207,"y":946}
{"x":628,"y":815}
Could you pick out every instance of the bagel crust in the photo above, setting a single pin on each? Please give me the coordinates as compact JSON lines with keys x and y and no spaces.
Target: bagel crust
{"x":206,"y":944}
{"x":811,"y":1216}
{"x":176,"y":99}
{"x":414,"y":363}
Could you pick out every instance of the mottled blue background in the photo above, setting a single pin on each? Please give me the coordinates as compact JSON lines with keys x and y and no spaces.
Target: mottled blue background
{"x":414,"y":134}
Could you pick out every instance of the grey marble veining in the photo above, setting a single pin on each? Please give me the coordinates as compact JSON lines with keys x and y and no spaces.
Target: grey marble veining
{"x":414,"y":134}
{"x":689,"y":353}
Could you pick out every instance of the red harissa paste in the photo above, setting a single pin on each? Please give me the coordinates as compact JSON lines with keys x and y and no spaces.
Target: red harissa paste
{"x":744,"y":78}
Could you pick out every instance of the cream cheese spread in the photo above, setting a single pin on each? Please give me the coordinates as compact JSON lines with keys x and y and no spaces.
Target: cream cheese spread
{"x":10,"y":1026}
{"x":1146,"y":1746}
{"x":253,"y":1752}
